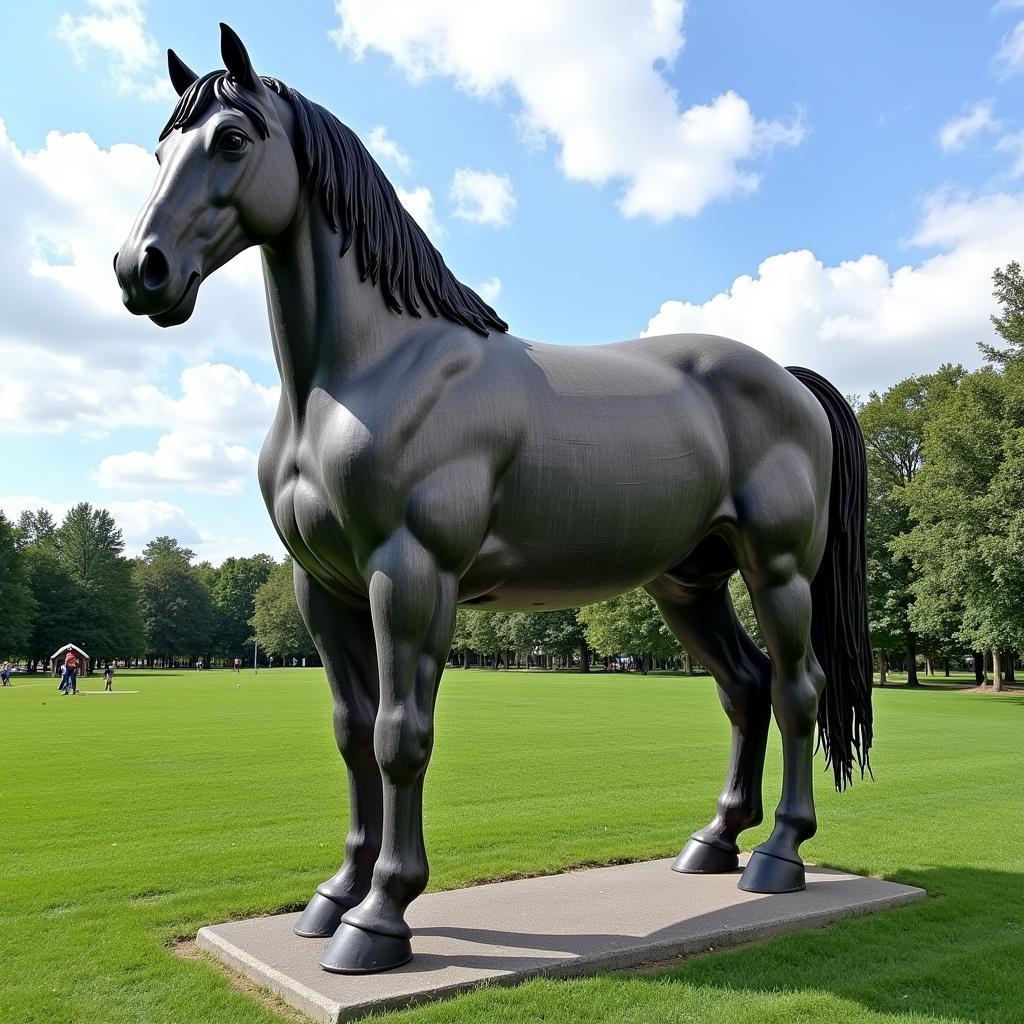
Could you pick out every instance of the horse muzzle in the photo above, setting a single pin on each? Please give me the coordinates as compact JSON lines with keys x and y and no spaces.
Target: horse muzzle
{"x":150,"y":287}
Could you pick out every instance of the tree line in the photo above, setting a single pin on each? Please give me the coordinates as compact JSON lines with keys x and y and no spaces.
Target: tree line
{"x":946,"y":507}
{"x":71,"y":583}
{"x":945,"y":547}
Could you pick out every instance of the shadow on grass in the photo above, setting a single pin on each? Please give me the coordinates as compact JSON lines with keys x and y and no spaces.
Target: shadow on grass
{"x":955,"y":956}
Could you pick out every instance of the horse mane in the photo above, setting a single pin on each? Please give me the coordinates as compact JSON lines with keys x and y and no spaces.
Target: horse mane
{"x":361,"y":205}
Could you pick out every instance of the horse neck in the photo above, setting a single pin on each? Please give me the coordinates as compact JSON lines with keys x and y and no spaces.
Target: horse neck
{"x":328,"y":326}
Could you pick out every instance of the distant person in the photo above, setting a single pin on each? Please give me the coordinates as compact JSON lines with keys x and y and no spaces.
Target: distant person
{"x":236,"y":665}
{"x":71,"y":673}
{"x":108,"y":678}
{"x":5,"y":673}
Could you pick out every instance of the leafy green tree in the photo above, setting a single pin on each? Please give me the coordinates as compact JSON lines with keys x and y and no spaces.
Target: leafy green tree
{"x":486,"y":635}
{"x":90,"y":548}
{"x":1008,"y":291}
{"x":894,"y":425}
{"x":174,"y":605}
{"x":629,"y":625}
{"x":966,"y":504}
{"x":234,"y":588}
{"x":563,"y":634}
{"x":36,"y":527}
{"x":279,"y":628}
{"x":53,"y":590}
{"x":17,"y":605}
{"x":463,"y":635}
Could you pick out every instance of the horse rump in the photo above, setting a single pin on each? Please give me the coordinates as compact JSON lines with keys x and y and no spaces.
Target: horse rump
{"x":839,"y":617}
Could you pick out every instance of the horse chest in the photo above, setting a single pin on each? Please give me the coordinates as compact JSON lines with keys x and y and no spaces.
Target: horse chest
{"x":322,"y":491}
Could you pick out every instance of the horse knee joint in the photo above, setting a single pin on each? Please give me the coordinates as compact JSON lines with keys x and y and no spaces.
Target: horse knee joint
{"x":402,"y":744}
{"x":795,"y":702}
{"x":353,"y":733}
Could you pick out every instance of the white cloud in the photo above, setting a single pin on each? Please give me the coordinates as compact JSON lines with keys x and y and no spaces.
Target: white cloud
{"x":222,"y":400}
{"x":489,"y":290}
{"x":482,"y":196}
{"x":1009,"y":58}
{"x":863,"y":323}
{"x":139,"y":521}
{"x":207,"y":466}
{"x":220,"y":407}
{"x":957,"y":132}
{"x":420,"y":203}
{"x":590,"y":78}
{"x":142,"y":519}
{"x":117,"y":33}
{"x":63,"y":328}
{"x":385,"y":149}
{"x":1013,"y":143}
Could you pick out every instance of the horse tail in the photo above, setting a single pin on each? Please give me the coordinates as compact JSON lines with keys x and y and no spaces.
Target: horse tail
{"x":839,"y":615}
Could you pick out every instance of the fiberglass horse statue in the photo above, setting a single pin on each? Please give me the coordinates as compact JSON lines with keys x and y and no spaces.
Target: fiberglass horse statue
{"x":411,"y":468}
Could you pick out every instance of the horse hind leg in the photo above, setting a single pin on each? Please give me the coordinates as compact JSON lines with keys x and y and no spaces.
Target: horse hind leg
{"x":781,"y":537}
{"x":702,"y":618}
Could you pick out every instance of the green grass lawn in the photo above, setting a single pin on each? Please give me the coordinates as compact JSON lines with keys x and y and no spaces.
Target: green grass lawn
{"x":127,"y":821}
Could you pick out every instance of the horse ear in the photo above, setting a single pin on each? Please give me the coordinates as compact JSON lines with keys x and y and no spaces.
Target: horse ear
{"x":236,"y":59}
{"x":182,"y":76}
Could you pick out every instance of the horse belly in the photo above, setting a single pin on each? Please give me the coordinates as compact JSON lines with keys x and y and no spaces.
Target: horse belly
{"x":584,"y":516}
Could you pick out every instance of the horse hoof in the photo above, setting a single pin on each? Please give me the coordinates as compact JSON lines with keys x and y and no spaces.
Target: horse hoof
{"x":701,"y":858}
{"x":355,"y":951}
{"x":320,"y":919}
{"x":770,"y":874}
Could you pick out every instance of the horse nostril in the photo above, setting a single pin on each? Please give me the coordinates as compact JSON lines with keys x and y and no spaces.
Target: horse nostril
{"x":116,"y":254}
{"x":155,"y":269}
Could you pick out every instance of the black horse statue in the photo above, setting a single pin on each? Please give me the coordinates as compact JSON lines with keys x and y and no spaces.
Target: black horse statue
{"x":413,"y":462}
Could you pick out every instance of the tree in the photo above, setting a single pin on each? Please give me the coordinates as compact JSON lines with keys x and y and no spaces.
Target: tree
{"x":36,"y":527}
{"x":966,"y":504}
{"x":485,"y":635}
{"x":52,"y":588}
{"x":234,"y":587}
{"x":562,"y":633}
{"x":279,"y":627}
{"x":893,"y":424}
{"x":463,"y":635}
{"x":89,"y":547}
{"x":17,"y":605}
{"x":629,"y":624}
{"x":1009,"y":324}
{"x":174,"y":605}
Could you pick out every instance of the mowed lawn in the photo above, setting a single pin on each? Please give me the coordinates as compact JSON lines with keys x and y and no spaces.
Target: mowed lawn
{"x":128,"y":821}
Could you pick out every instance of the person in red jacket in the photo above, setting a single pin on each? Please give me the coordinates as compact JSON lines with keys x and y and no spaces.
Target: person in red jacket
{"x":71,"y":673}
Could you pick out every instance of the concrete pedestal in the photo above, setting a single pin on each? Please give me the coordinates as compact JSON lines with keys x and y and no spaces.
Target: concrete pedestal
{"x":564,"y":925}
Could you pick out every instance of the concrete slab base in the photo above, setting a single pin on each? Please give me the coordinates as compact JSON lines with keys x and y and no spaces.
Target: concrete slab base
{"x":563,"y":925}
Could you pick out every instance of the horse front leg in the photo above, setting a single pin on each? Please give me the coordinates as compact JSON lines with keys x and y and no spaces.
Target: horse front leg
{"x":413,"y":607}
{"x":343,"y":634}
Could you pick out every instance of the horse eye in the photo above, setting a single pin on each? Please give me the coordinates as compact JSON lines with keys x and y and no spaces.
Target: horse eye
{"x":233,"y":142}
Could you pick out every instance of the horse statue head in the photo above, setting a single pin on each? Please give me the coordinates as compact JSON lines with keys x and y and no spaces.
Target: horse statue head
{"x":240,"y":157}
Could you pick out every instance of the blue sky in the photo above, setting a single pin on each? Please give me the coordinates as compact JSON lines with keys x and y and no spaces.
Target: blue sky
{"x":832,"y":183}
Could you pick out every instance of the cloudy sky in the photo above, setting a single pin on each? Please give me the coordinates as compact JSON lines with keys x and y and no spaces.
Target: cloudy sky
{"x":831,"y":183}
